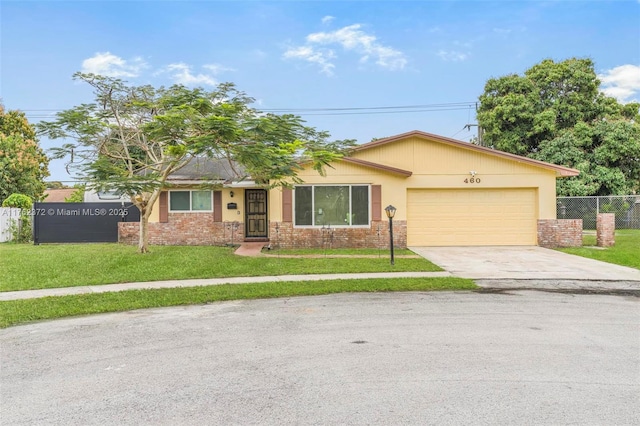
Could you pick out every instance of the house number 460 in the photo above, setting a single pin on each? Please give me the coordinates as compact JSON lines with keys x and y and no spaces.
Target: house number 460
{"x":472,"y":180}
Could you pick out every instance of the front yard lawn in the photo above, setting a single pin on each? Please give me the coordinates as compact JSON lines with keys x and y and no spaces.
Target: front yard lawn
{"x":26,"y":267}
{"x":626,"y":251}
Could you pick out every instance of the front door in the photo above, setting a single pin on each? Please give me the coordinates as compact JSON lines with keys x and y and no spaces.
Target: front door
{"x":255,"y":202}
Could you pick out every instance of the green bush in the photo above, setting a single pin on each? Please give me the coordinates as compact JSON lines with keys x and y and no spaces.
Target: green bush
{"x":20,"y":201}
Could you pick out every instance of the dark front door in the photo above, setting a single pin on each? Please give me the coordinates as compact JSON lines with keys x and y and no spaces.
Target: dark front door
{"x":255,"y":202}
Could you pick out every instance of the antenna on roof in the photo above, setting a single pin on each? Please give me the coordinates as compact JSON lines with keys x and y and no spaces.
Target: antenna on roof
{"x":479,"y":141}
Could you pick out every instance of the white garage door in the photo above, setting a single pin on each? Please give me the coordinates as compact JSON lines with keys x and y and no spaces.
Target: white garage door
{"x":471,"y":217}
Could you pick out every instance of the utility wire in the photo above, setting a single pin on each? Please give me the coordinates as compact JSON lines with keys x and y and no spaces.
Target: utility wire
{"x":398,"y":109}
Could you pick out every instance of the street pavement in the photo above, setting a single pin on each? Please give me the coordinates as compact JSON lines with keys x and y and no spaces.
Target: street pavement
{"x":512,"y":357}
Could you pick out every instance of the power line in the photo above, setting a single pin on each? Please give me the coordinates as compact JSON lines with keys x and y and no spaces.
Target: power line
{"x":395,"y":109}
{"x":444,"y":105}
{"x":384,"y":112}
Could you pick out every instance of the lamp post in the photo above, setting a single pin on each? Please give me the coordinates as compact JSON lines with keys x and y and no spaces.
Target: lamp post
{"x":391,"y":211}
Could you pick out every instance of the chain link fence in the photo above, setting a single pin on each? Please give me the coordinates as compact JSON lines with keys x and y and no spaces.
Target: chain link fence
{"x":625,"y":207}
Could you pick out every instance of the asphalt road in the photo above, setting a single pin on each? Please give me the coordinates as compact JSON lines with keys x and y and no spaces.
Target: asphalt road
{"x":522,"y":357}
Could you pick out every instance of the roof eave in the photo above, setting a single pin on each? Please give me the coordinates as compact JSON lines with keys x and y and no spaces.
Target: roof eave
{"x":561,"y":171}
{"x":377,"y":166}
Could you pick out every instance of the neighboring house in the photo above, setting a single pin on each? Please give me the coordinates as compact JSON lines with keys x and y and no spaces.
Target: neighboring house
{"x":446,"y":192}
{"x":57,"y":195}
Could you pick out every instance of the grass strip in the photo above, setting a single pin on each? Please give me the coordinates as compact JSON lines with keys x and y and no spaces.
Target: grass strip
{"x":22,"y":311}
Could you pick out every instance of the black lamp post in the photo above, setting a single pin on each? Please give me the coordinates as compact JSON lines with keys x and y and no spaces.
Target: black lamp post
{"x":391,"y":212}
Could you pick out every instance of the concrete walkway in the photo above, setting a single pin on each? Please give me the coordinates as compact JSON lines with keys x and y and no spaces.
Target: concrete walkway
{"x":33,"y":294}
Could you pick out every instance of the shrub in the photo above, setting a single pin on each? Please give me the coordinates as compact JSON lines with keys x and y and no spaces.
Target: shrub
{"x":20,"y":201}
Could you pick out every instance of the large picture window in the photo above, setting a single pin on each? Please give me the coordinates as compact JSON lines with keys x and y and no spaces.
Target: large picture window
{"x":334,"y":205}
{"x":190,"y":201}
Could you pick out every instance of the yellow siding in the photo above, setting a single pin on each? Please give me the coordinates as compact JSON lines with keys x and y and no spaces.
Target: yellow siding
{"x":423,"y":156}
{"x":227,"y":215}
{"x":155,"y":213}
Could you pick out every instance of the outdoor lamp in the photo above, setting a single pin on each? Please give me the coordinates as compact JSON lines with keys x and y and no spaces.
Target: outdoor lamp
{"x":391,"y":211}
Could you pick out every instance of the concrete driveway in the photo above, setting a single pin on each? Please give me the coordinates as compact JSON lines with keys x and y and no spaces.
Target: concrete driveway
{"x":523,"y":262}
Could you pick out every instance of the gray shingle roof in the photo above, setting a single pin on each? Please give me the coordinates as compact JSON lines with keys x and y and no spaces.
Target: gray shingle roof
{"x":202,"y":168}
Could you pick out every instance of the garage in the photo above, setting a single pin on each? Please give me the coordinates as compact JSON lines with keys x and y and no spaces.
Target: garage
{"x":472,"y":217}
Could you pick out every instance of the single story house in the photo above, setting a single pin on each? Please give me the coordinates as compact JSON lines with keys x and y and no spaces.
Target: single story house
{"x":58,"y":195}
{"x":446,"y":192}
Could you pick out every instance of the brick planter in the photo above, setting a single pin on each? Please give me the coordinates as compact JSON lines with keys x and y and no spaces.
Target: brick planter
{"x":553,"y":233}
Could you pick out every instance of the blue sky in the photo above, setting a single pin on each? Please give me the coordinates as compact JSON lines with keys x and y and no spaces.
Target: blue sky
{"x":313,"y":54}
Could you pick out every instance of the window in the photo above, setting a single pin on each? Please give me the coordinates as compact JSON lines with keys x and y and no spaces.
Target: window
{"x":329,"y":205}
{"x":190,"y":201}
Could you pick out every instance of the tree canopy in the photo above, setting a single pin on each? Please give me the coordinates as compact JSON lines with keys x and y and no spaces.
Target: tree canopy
{"x":131,"y":138}
{"x":555,"y":112}
{"x":23,"y":164}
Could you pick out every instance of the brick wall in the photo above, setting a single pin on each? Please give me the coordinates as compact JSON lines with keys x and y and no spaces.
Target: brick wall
{"x":200,"y":229}
{"x":554,"y":233}
{"x":284,"y":235}
{"x":605,"y":229}
{"x":190,"y":229}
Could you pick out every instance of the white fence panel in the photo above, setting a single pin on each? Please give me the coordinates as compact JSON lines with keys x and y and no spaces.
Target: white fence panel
{"x":7,"y":215}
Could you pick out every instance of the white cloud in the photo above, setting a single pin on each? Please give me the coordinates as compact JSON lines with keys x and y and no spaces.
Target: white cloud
{"x":111,"y":65}
{"x":217,"y":68}
{"x":328,"y":19}
{"x":350,"y":38}
{"x":452,"y":55}
{"x":621,"y":82}
{"x":309,"y":54}
{"x":181,"y":74}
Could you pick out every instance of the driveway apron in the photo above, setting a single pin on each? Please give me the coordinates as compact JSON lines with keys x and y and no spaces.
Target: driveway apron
{"x":523,"y":262}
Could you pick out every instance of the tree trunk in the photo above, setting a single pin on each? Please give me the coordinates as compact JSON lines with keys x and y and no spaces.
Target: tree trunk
{"x":146,"y":207}
{"x":143,"y":241}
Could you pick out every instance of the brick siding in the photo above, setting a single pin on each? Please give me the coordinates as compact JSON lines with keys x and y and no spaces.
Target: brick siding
{"x":605,"y":229}
{"x":200,"y":229}
{"x":285,"y":235}
{"x":189,"y":229}
{"x":554,"y":233}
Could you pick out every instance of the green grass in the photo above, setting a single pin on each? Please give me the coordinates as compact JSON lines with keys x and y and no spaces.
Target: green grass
{"x":21,"y":311}
{"x":626,"y":251}
{"x":26,"y":267}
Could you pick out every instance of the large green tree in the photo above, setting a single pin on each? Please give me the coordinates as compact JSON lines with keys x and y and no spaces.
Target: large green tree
{"x":23,"y":164}
{"x":131,"y":138}
{"x":556,"y":112}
